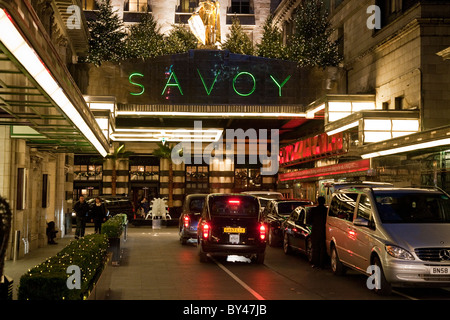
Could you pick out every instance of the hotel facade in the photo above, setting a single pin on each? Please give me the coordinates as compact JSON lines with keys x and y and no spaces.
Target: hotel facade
{"x":381,"y":115}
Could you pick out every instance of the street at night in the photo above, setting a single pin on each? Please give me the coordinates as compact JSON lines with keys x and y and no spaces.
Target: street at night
{"x":226,"y":158}
{"x":155,"y":266}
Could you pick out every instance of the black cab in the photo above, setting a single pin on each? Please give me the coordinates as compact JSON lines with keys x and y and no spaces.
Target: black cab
{"x":231,"y":224}
{"x":192,"y":210}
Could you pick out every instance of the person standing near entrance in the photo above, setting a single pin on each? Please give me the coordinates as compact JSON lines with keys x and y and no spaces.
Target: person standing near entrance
{"x":318,"y":221}
{"x":81,"y":209}
{"x":98,"y":214}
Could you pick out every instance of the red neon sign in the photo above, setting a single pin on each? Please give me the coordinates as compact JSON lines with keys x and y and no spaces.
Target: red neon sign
{"x":342,"y":168}
{"x":313,"y":147}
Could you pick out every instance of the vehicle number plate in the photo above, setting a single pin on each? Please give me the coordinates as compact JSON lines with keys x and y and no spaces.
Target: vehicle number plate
{"x":193,"y":228}
{"x":234,"y":238}
{"x":234,"y":230}
{"x":440,"y":270}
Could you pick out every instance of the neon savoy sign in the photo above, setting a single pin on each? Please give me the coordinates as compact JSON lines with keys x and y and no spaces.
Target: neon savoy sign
{"x":172,"y":81}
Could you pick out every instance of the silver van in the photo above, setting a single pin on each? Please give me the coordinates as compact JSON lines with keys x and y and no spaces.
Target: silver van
{"x":401,"y":234}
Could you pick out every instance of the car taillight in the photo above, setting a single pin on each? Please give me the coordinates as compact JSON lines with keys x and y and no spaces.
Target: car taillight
{"x":206,"y":229}
{"x":262,"y":232}
{"x":186,"y":221}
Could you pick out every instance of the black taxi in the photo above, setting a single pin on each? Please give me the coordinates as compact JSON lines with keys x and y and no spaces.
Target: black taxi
{"x":231,"y":224}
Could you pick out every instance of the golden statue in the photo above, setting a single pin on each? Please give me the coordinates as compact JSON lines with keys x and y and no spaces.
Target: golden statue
{"x":205,"y":23}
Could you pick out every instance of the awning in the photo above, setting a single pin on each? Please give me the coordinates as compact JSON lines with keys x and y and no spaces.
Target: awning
{"x":37,"y":91}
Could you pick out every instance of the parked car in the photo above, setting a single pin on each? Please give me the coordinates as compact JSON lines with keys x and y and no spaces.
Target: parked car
{"x":114,"y":205}
{"x":231,"y":224}
{"x":265,"y":196}
{"x":188,"y":221}
{"x":404,"y":232}
{"x":297,"y":231}
{"x":275,"y":213}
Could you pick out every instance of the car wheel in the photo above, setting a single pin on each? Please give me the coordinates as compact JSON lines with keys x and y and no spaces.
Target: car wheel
{"x":308,"y":246}
{"x":271,"y":243}
{"x":385,"y":287}
{"x":286,"y":246}
{"x":201,"y":254}
{"x":336,"y":265}
{"x":260,"y":258}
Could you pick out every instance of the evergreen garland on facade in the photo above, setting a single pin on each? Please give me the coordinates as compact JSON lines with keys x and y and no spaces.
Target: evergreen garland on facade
{"x":271,"y":45}
{"x":179,"y":40}
{"x":310,"y":44}
{"x":107,"y":36}
{"x":237,"y":40}
{"x":145,"y":39}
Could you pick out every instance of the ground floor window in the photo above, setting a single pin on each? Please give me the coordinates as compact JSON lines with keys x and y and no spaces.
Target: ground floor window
{"x":197,"y":178}
{"x":247,"y":179}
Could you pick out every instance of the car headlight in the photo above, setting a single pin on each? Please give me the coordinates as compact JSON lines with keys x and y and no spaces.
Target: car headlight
{"x":399,"y":253}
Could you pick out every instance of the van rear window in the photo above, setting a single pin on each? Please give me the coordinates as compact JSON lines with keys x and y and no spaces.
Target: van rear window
{"x":233,"y":206}
{"x":413,"y":207}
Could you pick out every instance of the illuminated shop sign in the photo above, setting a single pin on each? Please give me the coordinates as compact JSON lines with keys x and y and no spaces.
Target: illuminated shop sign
{"x":172,"y":81}
{"x":311,"y":148}
{"x":336,"y":169}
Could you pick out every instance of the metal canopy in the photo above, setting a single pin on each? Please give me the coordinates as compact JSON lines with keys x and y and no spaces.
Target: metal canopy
{"x":24,"y":104}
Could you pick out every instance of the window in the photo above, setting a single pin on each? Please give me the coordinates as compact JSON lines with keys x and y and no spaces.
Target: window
{"x":343,"y":206}
{"x":44,"y":190}
{"x":247,"y":178}
{"x":301,"y":217}
{"x":398,"y":103}
{"x":413,"y":207}
{"x":241,"y":6}
{"x":364,"y":208}
{"x":136,"y":6}
{"x":144,"y":173}
{"x":187,"y":6}
{"x":233,"y":206}
{"x":392,"y":9}
{"x":90,"y":5}
{"x":21,"y":188}
{"x":197,"y":177}
{"x":89,"y":172}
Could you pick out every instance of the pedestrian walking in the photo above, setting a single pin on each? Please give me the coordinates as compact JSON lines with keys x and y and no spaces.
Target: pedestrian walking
{"x":98,"y":214}
{"x":81,"y":209}
{"x":145,"y":206}
{"x":318,"y":221}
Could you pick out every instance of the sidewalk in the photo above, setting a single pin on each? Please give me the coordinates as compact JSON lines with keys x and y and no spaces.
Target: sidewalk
{"x":15,"y":269}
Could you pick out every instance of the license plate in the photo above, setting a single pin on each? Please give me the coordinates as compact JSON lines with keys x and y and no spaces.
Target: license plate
{"x":440,"y":270}
{"x":233,"y":230}
{"x":193,"y":228}
{"x":234,"y":238}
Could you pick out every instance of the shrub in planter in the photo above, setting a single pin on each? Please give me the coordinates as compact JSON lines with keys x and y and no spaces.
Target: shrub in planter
{"x":113,"y":228}
{"x":48,"y":280}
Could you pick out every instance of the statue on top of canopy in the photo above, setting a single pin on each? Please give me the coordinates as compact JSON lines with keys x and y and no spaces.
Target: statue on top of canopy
{"x":205,"y":23}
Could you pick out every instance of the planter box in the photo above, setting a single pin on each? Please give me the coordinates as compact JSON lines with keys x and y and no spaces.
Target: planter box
{"x":114,"y":249}
{"x":102,"y":286}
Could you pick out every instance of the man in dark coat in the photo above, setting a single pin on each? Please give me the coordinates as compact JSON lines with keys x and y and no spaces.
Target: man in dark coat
{"x":318,"y":221}
{"x":81,"y":209}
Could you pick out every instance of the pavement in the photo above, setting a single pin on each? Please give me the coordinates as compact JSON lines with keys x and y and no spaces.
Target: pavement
{"x":15,"y":269}
{"x":137,"y":272}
